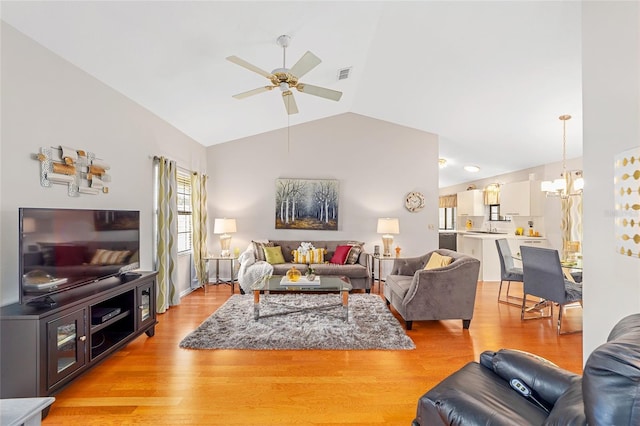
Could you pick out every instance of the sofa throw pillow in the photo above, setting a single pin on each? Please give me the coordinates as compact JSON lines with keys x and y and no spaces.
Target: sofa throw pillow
{"x":312,"y":256}
{"x":298,"y":257}
{"x":340,"y":255}
{"x":437,"y":261}
{"x":273,"y":255}
{"x":109,"y":257}
{"x":258,"y":248}
{"x":354,"y":254}
{"x":317,"y":255}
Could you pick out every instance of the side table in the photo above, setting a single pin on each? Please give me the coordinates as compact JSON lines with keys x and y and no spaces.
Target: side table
{"x":232,"y":265}
{"x":379,"y":260}
{"x":24,"y":411}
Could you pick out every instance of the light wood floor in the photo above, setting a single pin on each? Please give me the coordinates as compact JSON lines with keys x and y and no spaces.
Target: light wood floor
{"x":154,"y":382}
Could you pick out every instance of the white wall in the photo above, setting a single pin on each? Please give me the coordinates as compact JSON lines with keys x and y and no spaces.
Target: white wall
{"x":611,"y":108}
{"x":46,"y":101}
{"x":376,"y":163}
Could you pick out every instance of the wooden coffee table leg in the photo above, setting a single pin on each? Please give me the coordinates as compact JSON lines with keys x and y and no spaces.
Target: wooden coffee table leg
{"x":256,"y":304}
{"x":345,"y":304}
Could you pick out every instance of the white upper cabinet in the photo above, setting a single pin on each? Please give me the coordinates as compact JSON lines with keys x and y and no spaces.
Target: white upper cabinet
{"x":470,"y":203}
{"x":521,"y":199}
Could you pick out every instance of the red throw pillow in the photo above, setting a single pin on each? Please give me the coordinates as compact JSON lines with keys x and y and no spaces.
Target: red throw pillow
{"x":340,"y":255}
{"x":69,"y":255}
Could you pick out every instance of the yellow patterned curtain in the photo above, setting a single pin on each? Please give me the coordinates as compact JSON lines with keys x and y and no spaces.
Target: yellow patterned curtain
{"x":167,"y":234}
{"x":571,"y":222}
{"x":199,"y":219}
{"x":448,"y":201}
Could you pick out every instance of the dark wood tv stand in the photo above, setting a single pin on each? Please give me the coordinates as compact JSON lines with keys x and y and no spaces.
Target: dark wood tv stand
{"x":44,"y":349}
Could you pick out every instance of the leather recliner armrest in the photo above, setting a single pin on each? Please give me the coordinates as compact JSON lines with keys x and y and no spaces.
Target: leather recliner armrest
{"x":541,"y":375}
{"x":486,"y":359}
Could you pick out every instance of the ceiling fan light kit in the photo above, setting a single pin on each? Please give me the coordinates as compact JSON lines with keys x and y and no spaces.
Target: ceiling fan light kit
{"x":285,"y":79}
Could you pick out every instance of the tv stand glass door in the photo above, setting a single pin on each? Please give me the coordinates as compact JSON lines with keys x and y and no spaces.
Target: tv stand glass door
{"x":67,"y":341}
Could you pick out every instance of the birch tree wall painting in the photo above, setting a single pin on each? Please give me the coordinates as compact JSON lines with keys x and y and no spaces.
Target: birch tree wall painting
{"x":307,"y":204}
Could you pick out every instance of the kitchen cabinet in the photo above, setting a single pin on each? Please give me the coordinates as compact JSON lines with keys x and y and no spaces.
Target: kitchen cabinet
{"x":470,"y":203}
{"x":521,"y":199}
{"x":516,"y":242}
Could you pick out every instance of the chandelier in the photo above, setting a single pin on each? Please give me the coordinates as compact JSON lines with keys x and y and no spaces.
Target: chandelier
{"x":571,"y":182}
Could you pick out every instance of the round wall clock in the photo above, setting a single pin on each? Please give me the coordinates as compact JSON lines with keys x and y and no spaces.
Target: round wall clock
{"x":414,"y":201}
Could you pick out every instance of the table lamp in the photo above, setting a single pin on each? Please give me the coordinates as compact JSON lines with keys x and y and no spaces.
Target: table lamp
{"x":388,"y":226}
{"x":224,"y":226}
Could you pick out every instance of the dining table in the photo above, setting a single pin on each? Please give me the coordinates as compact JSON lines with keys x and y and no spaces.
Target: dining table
{"x":571,"y":266}
{"x":568,"y":266}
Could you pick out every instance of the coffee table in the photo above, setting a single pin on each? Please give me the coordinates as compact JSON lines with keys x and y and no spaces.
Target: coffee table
{"x":329,"y":284}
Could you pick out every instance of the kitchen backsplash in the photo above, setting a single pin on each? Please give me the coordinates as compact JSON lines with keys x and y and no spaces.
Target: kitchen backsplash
{"x":479,"y":223}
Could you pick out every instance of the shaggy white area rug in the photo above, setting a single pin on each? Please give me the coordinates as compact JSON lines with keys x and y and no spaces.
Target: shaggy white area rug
{"x":370,"y":325}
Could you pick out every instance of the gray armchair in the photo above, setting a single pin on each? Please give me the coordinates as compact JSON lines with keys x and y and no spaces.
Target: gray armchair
{"x":543,"y":278}
{"x":448,"y":292}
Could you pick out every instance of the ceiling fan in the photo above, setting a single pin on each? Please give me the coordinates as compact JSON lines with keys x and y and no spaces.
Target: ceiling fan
{"x":285,"y":79}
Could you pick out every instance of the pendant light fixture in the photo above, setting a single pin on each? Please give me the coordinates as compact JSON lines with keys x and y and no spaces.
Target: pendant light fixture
{"x":566,"y":186}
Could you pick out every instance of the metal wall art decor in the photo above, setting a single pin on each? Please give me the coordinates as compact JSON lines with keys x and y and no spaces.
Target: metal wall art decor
{"x":627,"y":202}
{"x":307,"y":204}
{"x":81,"y":171}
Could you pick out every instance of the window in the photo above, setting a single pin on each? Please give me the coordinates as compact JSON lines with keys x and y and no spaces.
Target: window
{"x":447,"y":218}
{"x":184,"y":212}
{"x":494,"y":212}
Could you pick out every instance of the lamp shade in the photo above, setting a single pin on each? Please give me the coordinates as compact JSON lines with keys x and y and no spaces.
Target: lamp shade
{"x":28,"y":225}
{"x":388,"y":225}
{"x":224,"y":226}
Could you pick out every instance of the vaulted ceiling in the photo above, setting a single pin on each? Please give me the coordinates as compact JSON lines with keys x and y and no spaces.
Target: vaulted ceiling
{"x":490,"y":78}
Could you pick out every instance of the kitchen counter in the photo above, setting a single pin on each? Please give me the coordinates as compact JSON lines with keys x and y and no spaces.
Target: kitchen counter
{"x":495,"y":235}
{"x":482,"y":246}
{"x":483,"y":235}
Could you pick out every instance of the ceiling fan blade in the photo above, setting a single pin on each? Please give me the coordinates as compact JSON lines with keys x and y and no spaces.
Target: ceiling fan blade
{"x":248,"y":66}
{"x":308,"y":62}
{"x":252,"y":92}
{"x":323,"y":92}
{"x":289,"y":102}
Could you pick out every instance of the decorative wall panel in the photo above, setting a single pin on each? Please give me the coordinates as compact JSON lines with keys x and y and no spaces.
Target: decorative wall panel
{"x":81,"y":171}
{"x":627,"y":202}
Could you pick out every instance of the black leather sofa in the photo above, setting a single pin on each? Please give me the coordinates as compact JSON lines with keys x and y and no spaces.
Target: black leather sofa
{"x":607,"y":394}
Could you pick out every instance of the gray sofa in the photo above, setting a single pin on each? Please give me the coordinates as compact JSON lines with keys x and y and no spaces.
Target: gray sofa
{"x":74,"y":259}
{"x":608,"y":393}
{"x":447,"y":292}
{"x":359,"y":273}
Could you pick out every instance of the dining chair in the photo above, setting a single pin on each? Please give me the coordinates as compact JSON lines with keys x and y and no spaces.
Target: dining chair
{"x":508,"y":272}
{"x":544,"y":278}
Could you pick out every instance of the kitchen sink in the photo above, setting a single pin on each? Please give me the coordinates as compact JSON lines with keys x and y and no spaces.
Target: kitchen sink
{"x":486,"y":232}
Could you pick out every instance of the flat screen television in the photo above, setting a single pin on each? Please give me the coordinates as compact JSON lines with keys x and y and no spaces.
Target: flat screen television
{"x":61,"y":249}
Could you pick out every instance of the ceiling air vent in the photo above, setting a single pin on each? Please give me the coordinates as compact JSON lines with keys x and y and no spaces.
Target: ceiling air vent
{"x":343,"y":73}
